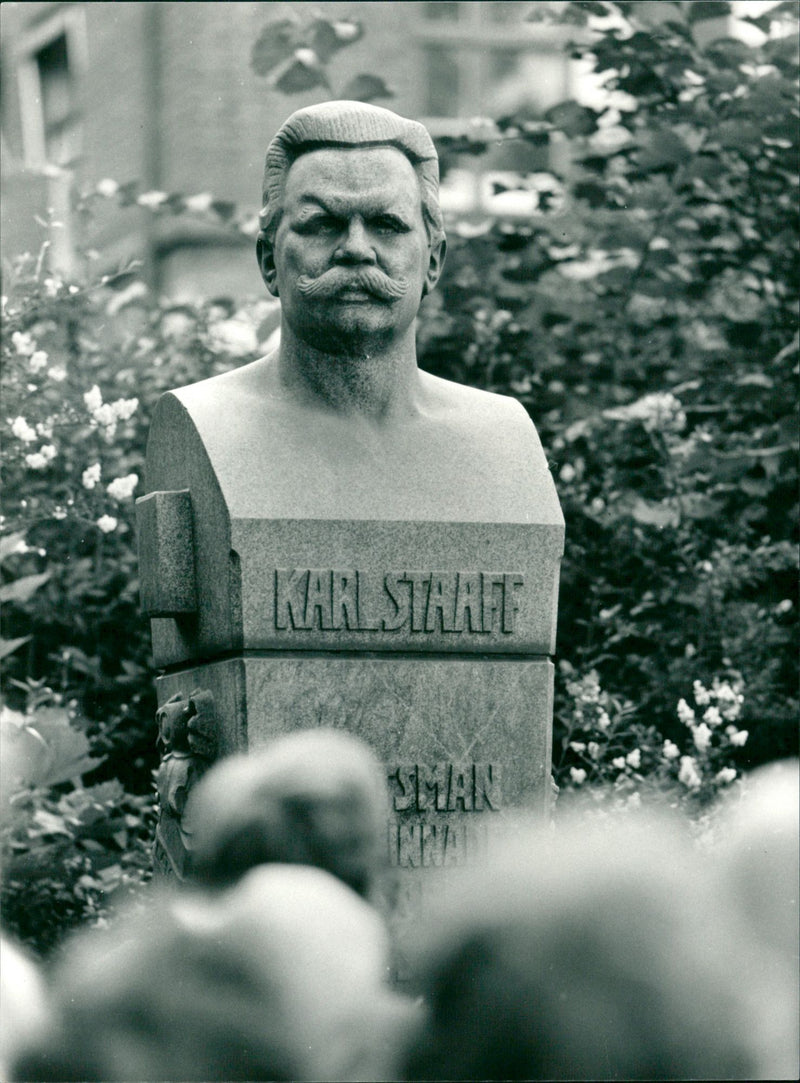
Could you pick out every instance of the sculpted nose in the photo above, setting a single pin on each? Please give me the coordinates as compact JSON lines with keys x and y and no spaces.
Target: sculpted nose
{"x":355,"y":246}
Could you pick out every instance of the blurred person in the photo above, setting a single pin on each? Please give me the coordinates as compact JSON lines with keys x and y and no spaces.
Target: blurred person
{"x":313,"y":797}
{"x":279,"y":978}
{"x":602,"y":953}
{"x":24,"y":1009}
{"x":757,"y":856}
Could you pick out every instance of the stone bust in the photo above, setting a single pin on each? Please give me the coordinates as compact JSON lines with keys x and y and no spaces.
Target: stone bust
{"x":339,"y":422}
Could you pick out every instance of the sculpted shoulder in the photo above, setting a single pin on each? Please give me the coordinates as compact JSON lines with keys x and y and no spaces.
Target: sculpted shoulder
{"x":231,"y":389}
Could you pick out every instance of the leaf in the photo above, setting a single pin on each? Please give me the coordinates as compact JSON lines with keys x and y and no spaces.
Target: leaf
{"x":275,"y":44}
{"x":300,"y":75}
{"x":8,"y":646}
{"x":328,"y":37}
{"x":655,"y":514}
{"x":367,"y":88}
{"x":9,"y":543}
{"x":661,"y":150}
{"x":21,"y":590}
{"x":572,"y":119}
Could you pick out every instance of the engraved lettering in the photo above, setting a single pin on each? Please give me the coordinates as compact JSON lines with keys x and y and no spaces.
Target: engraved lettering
{"x":468,"y":601}
{"x":459,"y":792}
{"x":291,"y":588}
{"x":345,"y":599}
{"x":409,"y":845}
{"x":406,"y":780}
{"x":490,"y":604}
{"x":433,"y":836}
{"x":367,"y":621}
{"x":488,"y":785}
{"x":441,"y":603}
{"x":454,"y":844}
{"x":420,"y":584}
{"x":432,"y":786}
{"x":399,"y":597}
{"x":511,"y":582}
{"x":318,"y":599}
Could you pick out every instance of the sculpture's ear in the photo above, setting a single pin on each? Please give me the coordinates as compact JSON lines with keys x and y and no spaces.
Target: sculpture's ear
{"x":435,"y":265}
{"x":265,"y":253}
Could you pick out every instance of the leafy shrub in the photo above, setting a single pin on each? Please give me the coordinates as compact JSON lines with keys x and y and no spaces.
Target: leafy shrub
{"x":69,"y":848}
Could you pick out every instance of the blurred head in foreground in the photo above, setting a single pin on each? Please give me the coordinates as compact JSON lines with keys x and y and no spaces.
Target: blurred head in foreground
{"x":598,"y":954}
{"x":758,"y":862}
{"x":315,"y":797}
{"x":24,"y":1009}
{"x":278,"y":978}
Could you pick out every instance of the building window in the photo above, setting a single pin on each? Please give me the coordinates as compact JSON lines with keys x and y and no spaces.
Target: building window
{"x":51,"y":60}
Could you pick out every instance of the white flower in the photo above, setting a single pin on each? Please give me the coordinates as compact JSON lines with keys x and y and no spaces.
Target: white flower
{"x":594,"y":750}
{"x":739,"y":738}
{"x":107,"y":523}
{"x":52,"y":286}
{"x":619,"y":763}
{"x":122,"y":488}
{"x":702,"y":696}
{"x":670,"y":751}
{"x":45,"y":428}
{"x":59,"y":513}
{"x":199,"y":203}
{"x":688,"y":773}
{"x":306,"y":56}
{"x":597,"y":505}
{"x":634,"y":759}
{"x":712,"y":716}
{"x":106,"y":187}
{"x":38,"y":361}
{"x":125,"y":408}
{"x":567,"y":472}
{"x":91,"y":476}
{"x":685,"y":712}
{"x":152,"y":199}
{"x":93,"y":399}
{"x":57,"y":373}
{"x":38,"y":460}
{"x":577,"y":746}
{"x":603,"y":721}
{"x":726,"y":775}
{"x":22,"y":430}
{"x":578,"y":775}
{"x":23,"y":343}
{"x":701,"y":737}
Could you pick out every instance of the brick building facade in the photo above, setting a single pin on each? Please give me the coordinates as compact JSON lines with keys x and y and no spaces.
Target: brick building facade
{"x":163,"y":93}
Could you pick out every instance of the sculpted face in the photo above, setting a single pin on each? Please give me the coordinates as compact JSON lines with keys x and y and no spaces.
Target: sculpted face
{"x":351,"y":258}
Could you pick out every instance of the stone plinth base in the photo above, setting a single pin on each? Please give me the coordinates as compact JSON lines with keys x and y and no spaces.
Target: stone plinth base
{"x":465,"y":741}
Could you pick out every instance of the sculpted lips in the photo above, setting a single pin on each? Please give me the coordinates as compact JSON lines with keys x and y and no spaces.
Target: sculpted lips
{"x":353,"y":283}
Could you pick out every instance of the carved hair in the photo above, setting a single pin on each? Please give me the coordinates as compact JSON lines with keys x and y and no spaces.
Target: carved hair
{"x":345,"y":124}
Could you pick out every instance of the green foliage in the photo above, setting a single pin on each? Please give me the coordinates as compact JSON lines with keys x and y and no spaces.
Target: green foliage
{"x":83,"y":365}
{"x":70,"y":850}
{"x":648,"y":322}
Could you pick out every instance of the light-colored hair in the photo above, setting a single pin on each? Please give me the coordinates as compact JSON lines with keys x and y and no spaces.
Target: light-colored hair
{"x":349,"y":125}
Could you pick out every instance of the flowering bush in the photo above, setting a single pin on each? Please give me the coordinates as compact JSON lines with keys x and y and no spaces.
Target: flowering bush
{"x":621,"y":762}
{"x":83,"y":365}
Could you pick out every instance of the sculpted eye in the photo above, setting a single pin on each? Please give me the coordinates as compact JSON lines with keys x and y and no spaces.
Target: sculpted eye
{"x":320,"y":223}
{"x":388,"y":223}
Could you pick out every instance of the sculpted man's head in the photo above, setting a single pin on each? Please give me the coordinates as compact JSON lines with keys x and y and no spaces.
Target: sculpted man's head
{"x":351,"y":230}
